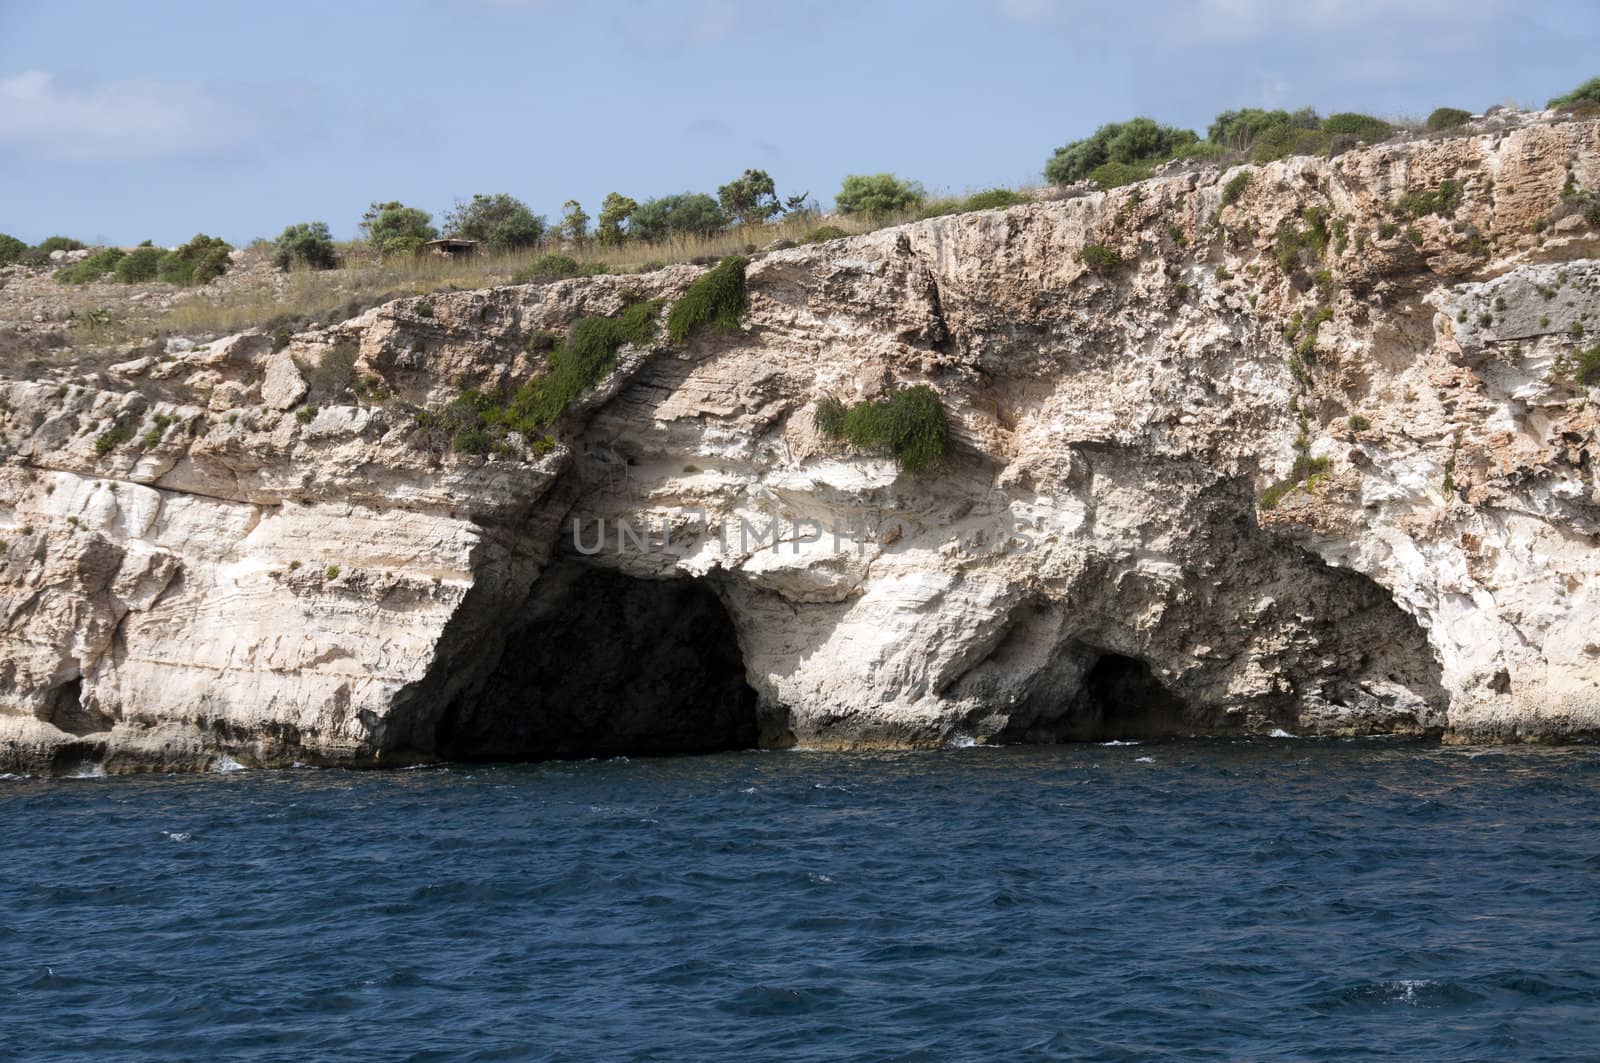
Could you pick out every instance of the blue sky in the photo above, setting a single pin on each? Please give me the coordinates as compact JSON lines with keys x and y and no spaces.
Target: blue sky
{"x":127,"y":121}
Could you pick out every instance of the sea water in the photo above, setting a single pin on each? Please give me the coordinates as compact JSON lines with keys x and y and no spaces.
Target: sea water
{"x":1264,"y":899}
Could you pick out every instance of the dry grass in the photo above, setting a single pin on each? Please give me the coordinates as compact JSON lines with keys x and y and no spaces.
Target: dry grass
{"x":364,"y":280}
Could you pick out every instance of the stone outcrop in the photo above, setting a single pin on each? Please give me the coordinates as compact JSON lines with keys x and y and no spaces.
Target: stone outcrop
{"x":1311,"y":455}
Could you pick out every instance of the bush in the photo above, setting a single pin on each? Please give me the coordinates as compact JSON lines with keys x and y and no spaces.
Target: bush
{"x":333,"y":379}
{"x":910,"y":424}
{"x":1363,"y":126}
{"x":548,"y":267}
{"x":576,"y":367}
{"x":878,"y":194}
{"x":11,"y":249}
{"x":1235,"y":187}
{"x":200,"y":261}
{"x":139,"y":265}
{"x":385,"y":222}
{"x":401,"y":247}
{"x":684,"y":214}
{"x":58,"y":243}
{"x":1100,"y":258}
{"x":1588,"y":92}
{"x":1587,"y":369}
{"x":121,"y":431}
{"x":1442,"y":201}
{"x":994,"y":199}
{"x":1137,"y":142}
{"x":823,"y":233}
{"x":499,"y":221}
{"x":92,"y":268}
{"x":1281,"y":142}
{"x":1239,"y":130}
{"x":306,"y":243}
{"x":1117,"y":174}
{"x":717,"y":299}
{"x":1444,"y":118}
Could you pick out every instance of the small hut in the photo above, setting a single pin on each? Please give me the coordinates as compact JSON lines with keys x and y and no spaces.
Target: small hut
{"x":452,"y":247}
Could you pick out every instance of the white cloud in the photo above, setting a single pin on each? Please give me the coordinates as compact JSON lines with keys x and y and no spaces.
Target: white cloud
{"x":110,"y":121}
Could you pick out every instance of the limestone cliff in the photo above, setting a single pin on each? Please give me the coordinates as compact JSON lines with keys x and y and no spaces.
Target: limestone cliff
{"x":1306,"y":451}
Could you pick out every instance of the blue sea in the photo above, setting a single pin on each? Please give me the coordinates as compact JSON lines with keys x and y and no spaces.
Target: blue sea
{"x":1243,"y":900}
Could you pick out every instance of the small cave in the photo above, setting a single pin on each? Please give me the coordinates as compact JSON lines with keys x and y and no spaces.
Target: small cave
{"x":1119,"y":698}
{"x":605,"y":664}
{"x":64,"y":709}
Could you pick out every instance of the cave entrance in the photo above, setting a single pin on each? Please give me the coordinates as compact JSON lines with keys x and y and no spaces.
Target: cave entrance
{"x":605,"y":664}
{"x":1122,"y":699}
{"x":1111,"y":697}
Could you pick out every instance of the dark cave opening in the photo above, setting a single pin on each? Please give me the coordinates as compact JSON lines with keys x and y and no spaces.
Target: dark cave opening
{"x":1117,"y":698}
{"x":1123,"y":699}
{"x":604,"y":665}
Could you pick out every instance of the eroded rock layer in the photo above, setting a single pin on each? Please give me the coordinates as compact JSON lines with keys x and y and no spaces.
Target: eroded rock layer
{"x":1319,"y":459}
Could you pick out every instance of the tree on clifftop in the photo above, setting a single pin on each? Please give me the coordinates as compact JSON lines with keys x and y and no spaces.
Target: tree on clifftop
{"x":499,"y":221}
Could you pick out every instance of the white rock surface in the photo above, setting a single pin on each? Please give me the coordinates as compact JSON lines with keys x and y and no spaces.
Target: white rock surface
{"x":238,"y":579}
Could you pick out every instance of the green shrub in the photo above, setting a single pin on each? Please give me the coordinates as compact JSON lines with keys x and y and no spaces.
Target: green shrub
{"x":684,"y":214}
{"x":910,"y":424}
{"x":1362,"y":126}
{"x":1099,"y":258}
{"x":1117,"y":174}
{"x":384,"y":222}
{"x":306,"y":244}
{"x":200,"y":261}
{"x":877,"y":194}
{"x":1136,"y":142}
{"x":1442,"y":201}
{"x":1235,"y":187}
{"x":1239,"y":130}
{"x":994,"y":198}
{"x":401,"y":247}
{"x":139,"y":265}
{"x":717,"y":299}
{"x":823,"y":233}
{"x":1444,"y":118}
{"x":58,"y":243}
{"x":1359,"y":423}
{"x":576,"y":367}
{"x":1306,"y":468}
{"x":120,"y":432}
{"x":332,"y":572}
{"x":92,"y":268}
{"x":1588,"y":92}
{"x":1586,"y":368}
{"x":333,"y":379}
{"x":1280,"y":142}
{"x":11,"y":249}
{"x":499,"y":221}
{"x":548,"y":267}
{"x":1387,"y":230}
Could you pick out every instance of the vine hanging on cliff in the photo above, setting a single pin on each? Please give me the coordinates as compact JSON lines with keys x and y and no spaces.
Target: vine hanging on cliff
{"x":910,"y":424}
{"x":717,"y":299}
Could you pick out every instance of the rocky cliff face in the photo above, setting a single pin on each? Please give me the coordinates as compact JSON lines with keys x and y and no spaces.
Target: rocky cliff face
{"x":1312,"y":453}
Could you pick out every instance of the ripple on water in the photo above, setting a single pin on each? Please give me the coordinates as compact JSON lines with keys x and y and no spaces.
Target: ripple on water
{"x":1187,"y":900}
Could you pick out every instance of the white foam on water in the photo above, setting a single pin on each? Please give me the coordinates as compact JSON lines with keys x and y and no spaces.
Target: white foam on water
{"x":1278,"y":732}
{"x":748,"y":790}
{"x":5,"y":775}
{"x":176,"y":835}
{"x":961,"y":742}
{"x":1123,"y":742}
{"x":226,"y":763}
{"x":1144,"y":760}
{"x":89,"y":771}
